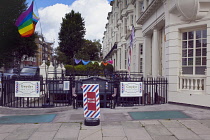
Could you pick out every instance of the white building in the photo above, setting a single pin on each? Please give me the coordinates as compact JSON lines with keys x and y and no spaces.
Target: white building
{"x":175,"y":35}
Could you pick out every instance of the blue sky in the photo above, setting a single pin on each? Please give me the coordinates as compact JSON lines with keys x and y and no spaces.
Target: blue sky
{"x":45,"y":3}
{"x":51,"y":12}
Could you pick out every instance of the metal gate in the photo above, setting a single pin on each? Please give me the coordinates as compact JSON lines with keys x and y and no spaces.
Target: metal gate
{"x":67,"y":91}
{"x":154,"y":91}
{"x":52,"y":93}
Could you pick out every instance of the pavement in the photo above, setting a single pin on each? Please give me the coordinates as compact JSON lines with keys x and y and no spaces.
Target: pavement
{"x":115,"y":124}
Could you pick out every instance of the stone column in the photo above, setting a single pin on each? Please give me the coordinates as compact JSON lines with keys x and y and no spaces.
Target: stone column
{"x":207,"y":86}
{"x":123,"y":57}
{"x":124,"y":22}
{"x":145,"y":4}
{"x":147,"y":57}
{"x":155,"y":54}
{"x":137,"y":12}
{"x":118,"y":58}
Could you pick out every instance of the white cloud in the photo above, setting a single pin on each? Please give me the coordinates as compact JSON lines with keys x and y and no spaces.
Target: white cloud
{"x":94,"y":13}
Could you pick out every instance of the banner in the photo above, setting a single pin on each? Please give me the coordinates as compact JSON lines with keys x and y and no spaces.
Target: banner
{"x":130,"y":89}
{"x":27,"y":88}
{"x":91,"y":100}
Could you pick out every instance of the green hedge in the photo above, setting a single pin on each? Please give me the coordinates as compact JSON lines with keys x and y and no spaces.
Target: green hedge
{"x":89,"y":69}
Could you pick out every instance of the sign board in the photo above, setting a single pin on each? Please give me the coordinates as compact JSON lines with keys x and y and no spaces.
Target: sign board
{"x":27,"y":88}
{"x":66,"y":85}
{"x":130,"y":89}
{"x":91,"y":100}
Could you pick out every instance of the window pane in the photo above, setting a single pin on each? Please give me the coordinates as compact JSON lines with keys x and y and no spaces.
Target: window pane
{"x":187,"y":70}
{"x":184,"y":61}
{"x":204,"y":52}
{"x":204,"y":61}
{"x":198,"y":34}
{"x":184,"y":53}
{"x":200,"y":70}
{"x":190,"y":44}
{"x":198,"y":43}
{"x":190,"y":35}
{"x":204,"y":34}
{"x":204,"y":43}
{"x":184,"y":44}
{"x":184,"y":36}
{"x":190,"y":61}
{"x":190,"y":52}
{"x":198,"y":61}
{"x":198,"y":52}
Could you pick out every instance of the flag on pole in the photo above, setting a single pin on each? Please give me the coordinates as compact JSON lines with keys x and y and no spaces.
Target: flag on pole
{"x":130,"y":49}
{"x":129,"y":61}
{"x":26,"y":22}
{"x":132,"y":36}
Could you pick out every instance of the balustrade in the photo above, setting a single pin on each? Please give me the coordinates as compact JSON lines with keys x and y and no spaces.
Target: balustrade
{"x":194,"y":83}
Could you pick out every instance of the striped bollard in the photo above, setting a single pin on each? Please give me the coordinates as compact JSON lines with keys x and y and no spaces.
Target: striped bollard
{"x":91,"y":104}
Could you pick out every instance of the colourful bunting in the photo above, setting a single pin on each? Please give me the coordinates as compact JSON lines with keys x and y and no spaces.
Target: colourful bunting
{"x":77,"y":61}
{"x":110,"y":61}
{"x":105,"y":63}
{"x":85,"y":62}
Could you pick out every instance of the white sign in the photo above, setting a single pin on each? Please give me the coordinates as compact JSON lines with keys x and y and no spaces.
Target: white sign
{"x":130,"y":89}
{"x":66,"y":85}
{"x":27,"y":88}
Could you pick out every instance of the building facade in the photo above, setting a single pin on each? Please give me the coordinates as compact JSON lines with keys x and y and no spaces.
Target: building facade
{"x":44,"y":52}
{"x":172,"y":39}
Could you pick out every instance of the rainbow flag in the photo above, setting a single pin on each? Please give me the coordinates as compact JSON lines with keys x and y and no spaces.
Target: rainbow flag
{"x":26,"y":22}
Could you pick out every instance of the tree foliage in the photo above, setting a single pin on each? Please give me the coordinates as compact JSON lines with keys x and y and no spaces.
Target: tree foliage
{"x":89,"y":51}
{"x":60,"y":56}
{"x":12,"y":45}
{"x":71,"y":34}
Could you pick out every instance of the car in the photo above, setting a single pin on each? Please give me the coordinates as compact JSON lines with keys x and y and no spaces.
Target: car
{"x":30,"y":71}
{"x":10,"y":73}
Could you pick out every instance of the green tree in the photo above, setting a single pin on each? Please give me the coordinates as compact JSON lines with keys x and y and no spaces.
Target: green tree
{"x":89,"y":51}
{"x":71,"y":34}
{"x":12,"y":45}
{"x":60,"y":56}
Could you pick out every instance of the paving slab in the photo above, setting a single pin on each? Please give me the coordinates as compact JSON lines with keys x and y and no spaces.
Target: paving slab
{"x":164,"y":138}
{"x":137,"y":134}
{"x":68,"y":131}
{"x":205,"y":122}
{"x":116,"y":117}
{"x":84,"y":127}
{"x":115,"y":138}
{"x":111,"y":125}
{"x":90,"y":134}
{"x":171,"y":123}
{"x":184,"y":133}
{"x":205,"y":137}
{"x":131,"y":124}
{"x":3,"y":136}
{"x":157,"y":130}
{"x":113,"y":132}
{"x":150,"y":122}
{"x":49,"y":127}
{"x":20,"y":134}
{"x":43,"y":135}
{"x":8,"y":128}
{"x":70,"y":134}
